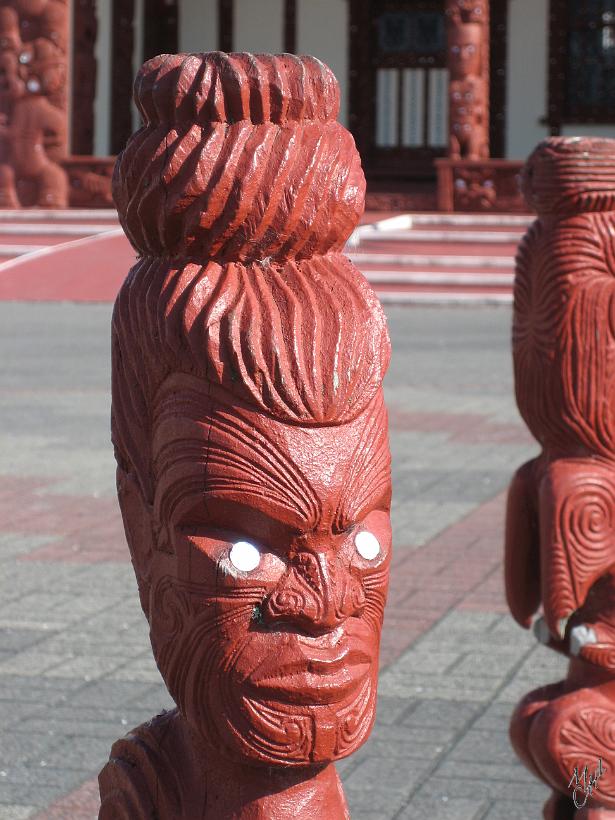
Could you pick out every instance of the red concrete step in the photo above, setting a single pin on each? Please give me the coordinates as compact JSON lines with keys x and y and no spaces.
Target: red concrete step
{"x":412,"y":296}
{"x":395,"y":278}
{"x":422,"y":258}
{"x":444,"y":235}
{"x":426,"y":220}
{"x":54,"y":229}
{"x":456,"y":248}
{"x":71,"y":215}
{"x":367,"y":261}
{"x":444,"y":257}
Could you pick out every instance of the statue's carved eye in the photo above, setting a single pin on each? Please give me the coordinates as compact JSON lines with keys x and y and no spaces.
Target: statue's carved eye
{"x":367,"y":545}
{"x":244,"y":556}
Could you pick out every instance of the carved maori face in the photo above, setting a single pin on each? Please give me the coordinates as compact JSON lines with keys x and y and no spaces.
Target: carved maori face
{"x":267,"y":581}
{"x":42,"y":67}
{"x":465,"y":51}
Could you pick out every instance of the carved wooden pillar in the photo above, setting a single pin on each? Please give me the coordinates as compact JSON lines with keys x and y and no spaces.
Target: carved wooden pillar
{"x":85,"y":29}
{"x":468,"y":63}
{"x":560,"y":535}
{"x":251,"y":440}
{"x":33,"y":102}
{"x":122,"y":72}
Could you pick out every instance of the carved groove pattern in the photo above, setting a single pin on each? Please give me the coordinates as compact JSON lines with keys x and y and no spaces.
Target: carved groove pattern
{"x":564,"y":362}
{"x":248,"y":359}
{"x":468,"y":60}
{"x":236,"y":325}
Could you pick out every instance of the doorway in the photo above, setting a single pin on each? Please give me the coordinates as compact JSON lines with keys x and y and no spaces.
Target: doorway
{"x":399,"y":85}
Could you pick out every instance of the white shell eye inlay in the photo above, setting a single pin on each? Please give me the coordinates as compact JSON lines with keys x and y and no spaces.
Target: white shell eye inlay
{"x":244,"y":556}
{"x":367,"y":545}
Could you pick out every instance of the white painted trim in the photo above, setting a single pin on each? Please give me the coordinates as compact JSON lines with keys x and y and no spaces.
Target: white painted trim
{"x":102,"y":100}
{"x":401,"y":277}
{"x":368,"y":234}
{"x":427,"y":261}
{"x":259,"y":27}
{"x":323,"y":30}
{"x":526,"y":75}
{"x":198,"y":25}
{"x":137,"y":55}
{"x":391,"y":297}
{"x":505,"y":220}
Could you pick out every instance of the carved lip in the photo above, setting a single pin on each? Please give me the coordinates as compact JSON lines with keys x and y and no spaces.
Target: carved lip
{"x":324,"y":677}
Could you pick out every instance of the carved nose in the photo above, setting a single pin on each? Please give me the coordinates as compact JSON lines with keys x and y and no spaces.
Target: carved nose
{"x":316,"y":593}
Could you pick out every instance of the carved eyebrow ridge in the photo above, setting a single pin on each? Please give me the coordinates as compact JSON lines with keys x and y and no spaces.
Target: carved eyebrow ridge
{"x":282,"y":479}
{"x":256,"y":465}
{"x":368,"y":478}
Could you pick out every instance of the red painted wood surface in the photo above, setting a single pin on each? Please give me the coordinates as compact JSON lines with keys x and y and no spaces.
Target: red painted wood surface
{"x":468,"y":65}
{"x":251,"y":440}
{"x":560,"y":549}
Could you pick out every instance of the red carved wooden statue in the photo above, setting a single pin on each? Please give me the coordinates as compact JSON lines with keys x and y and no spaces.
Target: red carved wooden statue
{"x":251,"y":440}
{"x":33,"y":107}
{"x":560,"y":538}
{"x":468,"y":63}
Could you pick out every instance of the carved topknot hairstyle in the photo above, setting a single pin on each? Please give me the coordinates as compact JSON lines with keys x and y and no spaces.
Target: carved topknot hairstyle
{"x":240,"y":158}
{"x":238,"y":192}
{"x":571,"y":174}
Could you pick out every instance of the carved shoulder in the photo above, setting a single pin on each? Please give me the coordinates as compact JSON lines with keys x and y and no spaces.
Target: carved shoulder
{"x":145,"y":778}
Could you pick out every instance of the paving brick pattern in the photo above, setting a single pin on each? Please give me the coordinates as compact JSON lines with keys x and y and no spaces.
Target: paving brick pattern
{"x":75,"y":666}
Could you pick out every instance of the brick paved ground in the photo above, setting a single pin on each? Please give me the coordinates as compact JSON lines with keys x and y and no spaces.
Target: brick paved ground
{"x":75,"y":667}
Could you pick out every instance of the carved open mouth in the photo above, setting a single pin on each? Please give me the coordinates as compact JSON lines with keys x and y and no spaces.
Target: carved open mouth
{"x":328,"y":676}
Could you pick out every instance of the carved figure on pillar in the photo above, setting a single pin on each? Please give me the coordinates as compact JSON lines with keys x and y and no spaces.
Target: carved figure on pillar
{"x":251,"y":440}
{"x":560,"y":532}
{"x":468,"y":63}
{"x":33,"y":72}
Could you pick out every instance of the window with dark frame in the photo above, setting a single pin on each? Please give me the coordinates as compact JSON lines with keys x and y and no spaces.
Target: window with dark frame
{"x":582,"y":62}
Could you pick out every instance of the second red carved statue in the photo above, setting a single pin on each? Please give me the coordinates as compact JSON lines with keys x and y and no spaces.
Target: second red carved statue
{"x":560,"y":549}
{"x":251,"y":440}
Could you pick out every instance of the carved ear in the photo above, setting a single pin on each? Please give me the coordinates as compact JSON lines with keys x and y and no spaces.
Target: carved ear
{"x":137,"y":516}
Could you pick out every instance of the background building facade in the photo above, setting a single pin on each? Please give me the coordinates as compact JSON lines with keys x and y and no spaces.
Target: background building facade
{"x":549,"y":69}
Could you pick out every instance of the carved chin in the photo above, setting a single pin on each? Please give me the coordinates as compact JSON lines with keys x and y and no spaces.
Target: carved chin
{"x":274,"y":732}
{"x":268,"y":729}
